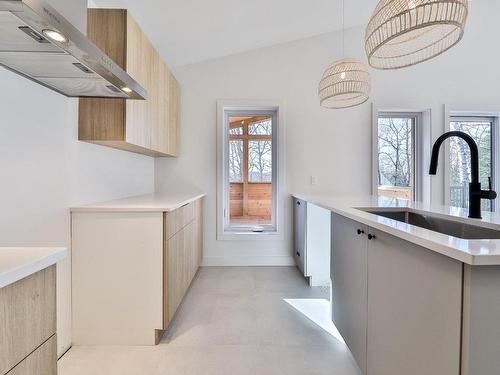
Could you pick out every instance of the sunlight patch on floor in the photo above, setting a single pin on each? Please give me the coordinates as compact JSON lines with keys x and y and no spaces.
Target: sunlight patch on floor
{"x":318,"y":311}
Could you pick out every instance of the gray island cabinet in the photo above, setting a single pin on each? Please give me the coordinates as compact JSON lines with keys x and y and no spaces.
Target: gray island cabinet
{"x":405,"y":309}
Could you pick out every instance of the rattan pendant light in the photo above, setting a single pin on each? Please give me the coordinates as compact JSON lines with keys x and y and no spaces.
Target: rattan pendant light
{"x":403,"y":33}
{"x":345,"y":83}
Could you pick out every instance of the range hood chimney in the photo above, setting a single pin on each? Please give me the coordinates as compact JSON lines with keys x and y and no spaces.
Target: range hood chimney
{"x":41,"y":45}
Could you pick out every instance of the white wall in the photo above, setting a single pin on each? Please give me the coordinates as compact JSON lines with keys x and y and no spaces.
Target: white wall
{"x":45,"y":170}
{"x":335,"y":146}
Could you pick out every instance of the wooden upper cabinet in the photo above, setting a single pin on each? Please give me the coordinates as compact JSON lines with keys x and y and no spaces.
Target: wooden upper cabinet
{"x":144,"y":126}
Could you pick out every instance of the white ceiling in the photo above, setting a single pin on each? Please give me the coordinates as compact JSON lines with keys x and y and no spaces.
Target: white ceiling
{"x":189,"y":31}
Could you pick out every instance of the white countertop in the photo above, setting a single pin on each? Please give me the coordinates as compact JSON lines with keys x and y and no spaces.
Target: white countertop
{"x":16,"y":263}
{"x":473,"y":252}
{"x":157,"y":202}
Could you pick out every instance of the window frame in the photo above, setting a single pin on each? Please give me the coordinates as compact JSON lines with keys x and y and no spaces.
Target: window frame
{"x":422,"y":148}
{"x":471,"y":115}
{"x":226,"y":109}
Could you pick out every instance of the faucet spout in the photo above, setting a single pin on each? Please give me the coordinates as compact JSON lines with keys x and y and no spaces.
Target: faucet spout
{"x":474,"y":153}
{"x":475,"y":191}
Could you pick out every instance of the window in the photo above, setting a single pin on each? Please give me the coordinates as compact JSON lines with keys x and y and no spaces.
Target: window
{"x":249,"y":170}
{"x":482,"y":130}
{"x":396,"y":155}
{"x":401,"y":154}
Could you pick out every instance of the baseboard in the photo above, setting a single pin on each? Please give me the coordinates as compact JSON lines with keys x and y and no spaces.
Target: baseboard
{"x":248,"y":261}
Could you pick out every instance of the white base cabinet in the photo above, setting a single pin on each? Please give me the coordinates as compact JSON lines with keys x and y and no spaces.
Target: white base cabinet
{"x":131,"y":270}
{"x":312,"y":242}
{"x":397,"y":305}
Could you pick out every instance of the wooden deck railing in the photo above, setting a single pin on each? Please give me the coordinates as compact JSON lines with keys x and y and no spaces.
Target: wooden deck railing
{"x":255,"y":203}
{"x":395,"y":192}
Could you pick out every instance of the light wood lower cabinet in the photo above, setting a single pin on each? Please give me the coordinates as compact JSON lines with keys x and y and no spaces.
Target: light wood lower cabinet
{"x":43,"y":361}
{"x":183,"y":254}
{"x":131,"y":271}
{"x":27,"y":318}
{"x":180,"y":257}
{"x":397,"y":305}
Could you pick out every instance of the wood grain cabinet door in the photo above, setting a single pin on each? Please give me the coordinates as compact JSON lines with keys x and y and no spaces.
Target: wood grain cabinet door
{"x":199,"y":232}
{"x":176,"y":261}
{"x":182,"y":256}
{"x":189,"y":257}
{"x":414,"y":309}
{"x":43,"y":361}
{"x":150,"y":126}
{"x":349,"y":284}
{"x":27,"y":316}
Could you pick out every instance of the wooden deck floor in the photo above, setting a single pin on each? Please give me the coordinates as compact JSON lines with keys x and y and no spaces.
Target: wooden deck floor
{"x":252,"y":220}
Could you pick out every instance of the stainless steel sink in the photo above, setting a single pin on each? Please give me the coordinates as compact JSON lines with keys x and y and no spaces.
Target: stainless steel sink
{"x":440,"y":225}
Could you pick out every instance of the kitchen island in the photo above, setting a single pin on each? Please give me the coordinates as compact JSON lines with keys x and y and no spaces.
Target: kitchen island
{"x":415,"y":288}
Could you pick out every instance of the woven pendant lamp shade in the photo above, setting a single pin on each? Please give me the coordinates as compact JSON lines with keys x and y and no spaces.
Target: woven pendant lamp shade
{"x":346,"y":83}
{"x":403,"y":33}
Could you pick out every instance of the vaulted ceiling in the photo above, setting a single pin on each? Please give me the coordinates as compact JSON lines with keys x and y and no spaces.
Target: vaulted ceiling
{"x":190,"y":31}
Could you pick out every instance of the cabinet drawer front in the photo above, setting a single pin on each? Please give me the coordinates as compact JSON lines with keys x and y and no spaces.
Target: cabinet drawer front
{"x":27,"y":316}
{"x":179,"y":218}
{"x":43,"y":361}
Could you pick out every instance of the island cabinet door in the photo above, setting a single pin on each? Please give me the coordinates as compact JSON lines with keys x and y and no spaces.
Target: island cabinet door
{"x":349,"y":284}
{"x":414,"y":309}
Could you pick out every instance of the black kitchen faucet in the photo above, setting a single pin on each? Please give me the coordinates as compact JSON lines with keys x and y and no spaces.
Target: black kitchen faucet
{"x":475,"y":191}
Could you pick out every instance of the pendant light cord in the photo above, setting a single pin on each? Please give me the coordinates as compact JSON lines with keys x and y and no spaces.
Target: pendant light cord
{"x":343,"y":28}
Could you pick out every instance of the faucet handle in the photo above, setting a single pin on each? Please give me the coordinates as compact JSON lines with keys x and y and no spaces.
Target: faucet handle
{"x":489,"y":194}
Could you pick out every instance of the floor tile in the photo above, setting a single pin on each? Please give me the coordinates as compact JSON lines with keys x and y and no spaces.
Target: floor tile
{"x":233,"y":320}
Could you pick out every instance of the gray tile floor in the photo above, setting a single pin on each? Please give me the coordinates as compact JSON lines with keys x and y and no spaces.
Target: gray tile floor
{"x":234,"y":320}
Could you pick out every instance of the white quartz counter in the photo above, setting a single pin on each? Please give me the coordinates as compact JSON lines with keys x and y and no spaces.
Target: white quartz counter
{"x":473,"y":252}
{"x":157,"y":202}
{"x":16,"y":263}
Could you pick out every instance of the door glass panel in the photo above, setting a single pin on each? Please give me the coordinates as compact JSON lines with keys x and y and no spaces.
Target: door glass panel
{"x":460,"y":164}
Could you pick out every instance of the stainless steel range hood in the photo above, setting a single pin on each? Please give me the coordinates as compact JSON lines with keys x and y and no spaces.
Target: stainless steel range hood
{"x":40,"y":44}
